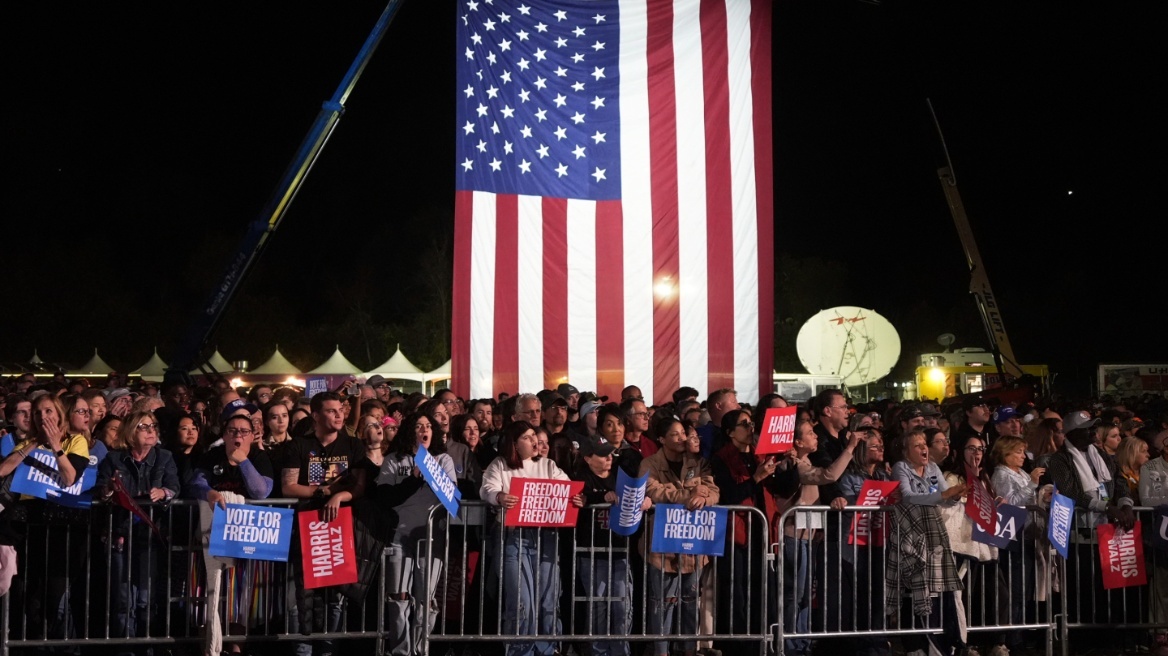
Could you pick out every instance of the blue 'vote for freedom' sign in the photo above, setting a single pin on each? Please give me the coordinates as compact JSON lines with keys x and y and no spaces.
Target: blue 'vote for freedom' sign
{"x":255,"y":532}
{"x":1062,"y":515}
{"x":697,"y":532}
{"x":38,"y":477}
{"x":625,"y":516}
{"x":315,"y":385}
{"x":445,"y":489}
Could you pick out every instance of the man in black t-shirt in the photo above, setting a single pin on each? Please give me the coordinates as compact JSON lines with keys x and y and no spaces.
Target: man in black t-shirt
{"x":322,"y":471}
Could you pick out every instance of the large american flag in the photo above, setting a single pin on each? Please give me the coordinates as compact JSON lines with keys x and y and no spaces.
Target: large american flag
{"x":613,"y":213}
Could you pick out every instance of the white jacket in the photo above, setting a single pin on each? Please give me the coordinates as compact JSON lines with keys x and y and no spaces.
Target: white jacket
{"x":497,"y":477}
{"x":960,"y":528}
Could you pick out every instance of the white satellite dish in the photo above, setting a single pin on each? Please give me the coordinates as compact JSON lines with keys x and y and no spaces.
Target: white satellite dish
{"x":856,"y":344}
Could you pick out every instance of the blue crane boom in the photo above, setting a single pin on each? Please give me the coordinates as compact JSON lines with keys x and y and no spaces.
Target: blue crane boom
{"x":190,"y":354}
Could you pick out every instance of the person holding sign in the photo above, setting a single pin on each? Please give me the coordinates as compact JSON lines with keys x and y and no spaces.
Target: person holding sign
{"x":1016,"y":487}
{"x":679,"y":477}
{"x":321,"y":469}
{"x":1081,"y":472}
{"x":800,"y":485}
{"x":602,"y":559}
{"x":986,"y":580}
{"x":865,"y":550}
{"x":49,"y":440}
{"x":743,"y":478}
{"x":233,"y":466}
{"x":149,"y":475}
{"x":403,"y":495}
{"x":530,"y":588}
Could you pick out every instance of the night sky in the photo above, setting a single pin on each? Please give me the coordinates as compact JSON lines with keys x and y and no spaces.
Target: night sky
{"x":141,"y":138}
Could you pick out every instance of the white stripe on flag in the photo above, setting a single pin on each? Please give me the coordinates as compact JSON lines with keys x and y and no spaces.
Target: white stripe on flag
{"x":582,"y":294}
{"x":636,"y":195}
{"x":745,"y":212}
{"x":530,"y":293}
{"x":482,"y":295}
{"x":693,"y":287}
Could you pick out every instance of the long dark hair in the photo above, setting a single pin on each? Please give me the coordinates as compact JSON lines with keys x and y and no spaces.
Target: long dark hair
{"x":507,"y":450}
{"x":405,"y":443}
{"x":458,"y":424}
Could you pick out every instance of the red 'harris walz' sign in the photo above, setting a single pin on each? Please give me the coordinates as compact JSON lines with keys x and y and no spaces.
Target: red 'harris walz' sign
{"x":1121,"y":554}
{"x":777,"y":433}
{"x":327,"y":552}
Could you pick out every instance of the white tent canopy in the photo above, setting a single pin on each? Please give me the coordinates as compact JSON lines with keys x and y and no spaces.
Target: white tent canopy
{"x":439,"y":374}
{"x":153,"y":370}
{"x":36,"y":359}
{"x":277,"y":365}
{"x":95,"y":367}
{"x":336,"y":365}
{"x":398,"y":366}
{"x":218,"y":363}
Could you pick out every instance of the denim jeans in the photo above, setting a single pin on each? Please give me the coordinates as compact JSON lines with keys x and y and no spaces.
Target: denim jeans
{"x":796,"y":593}
{"x":531,"y":589}
{"x":408,"y":598}
{"x":671,"y":595}
{"x":320,"y":611}
{"x":608,"y":578}
{"x":134,"y":599}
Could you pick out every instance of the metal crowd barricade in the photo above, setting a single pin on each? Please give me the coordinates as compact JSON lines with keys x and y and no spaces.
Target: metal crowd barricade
{"x":1085,"y":604}
{"x":99,"y":577}
{"x":832,"y":585}
{"x":467,"y":601}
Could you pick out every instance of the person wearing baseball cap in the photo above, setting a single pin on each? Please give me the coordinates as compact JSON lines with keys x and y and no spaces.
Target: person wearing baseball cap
{"x":977,"y":421}
{"x":603,"y":577}
{"x":1007,"y":423}
{"x":1080,"y":471}
{"x":586,"y":425}
{"x":930,"y":414}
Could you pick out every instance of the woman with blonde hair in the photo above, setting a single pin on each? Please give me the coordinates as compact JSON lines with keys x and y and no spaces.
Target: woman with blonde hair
{"x":50,"y":440}
{"x":1131,"y":456}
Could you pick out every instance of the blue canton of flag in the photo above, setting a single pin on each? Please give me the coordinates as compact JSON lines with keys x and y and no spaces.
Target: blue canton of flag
{"x":315,"y":473}
{"x":538,"y":110}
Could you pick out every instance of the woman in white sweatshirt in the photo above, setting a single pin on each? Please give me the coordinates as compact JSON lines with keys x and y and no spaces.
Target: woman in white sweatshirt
{"x":530,"y":574}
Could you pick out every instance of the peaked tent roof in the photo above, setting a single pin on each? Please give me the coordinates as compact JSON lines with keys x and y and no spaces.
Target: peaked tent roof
{"x":95,"y":366}
{"x":276,"y":365}
{"x":441,"y":373}
{"x":398,"y":366}
{"x":218,"y":363}
{"x":35,"y":359}
{"x":153,"y":370}
{"x":336,"y":364}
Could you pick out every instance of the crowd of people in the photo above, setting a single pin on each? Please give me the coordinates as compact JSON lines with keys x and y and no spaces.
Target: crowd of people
{"x":355,"y":446}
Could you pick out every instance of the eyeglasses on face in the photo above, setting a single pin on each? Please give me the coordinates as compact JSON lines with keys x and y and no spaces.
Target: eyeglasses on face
{"x":148,"y":428}
{"x":745,"y":423}
{"x":244,"y":432}
{"x":80,"y":411}
{"x":976,"y":449}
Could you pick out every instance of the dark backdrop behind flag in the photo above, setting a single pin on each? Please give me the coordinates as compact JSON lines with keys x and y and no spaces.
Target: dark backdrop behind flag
{"x":614,"y":203}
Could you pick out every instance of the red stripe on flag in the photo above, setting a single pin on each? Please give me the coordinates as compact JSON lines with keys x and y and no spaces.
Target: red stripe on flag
{"x":555,"y":291}
{"x":460,"y":310}
{"x":610,"y":299}
{"x":760,"y":62}
{"x":719,"y":204}
{"x":506,"y":352}
{"x":663,"y":176}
